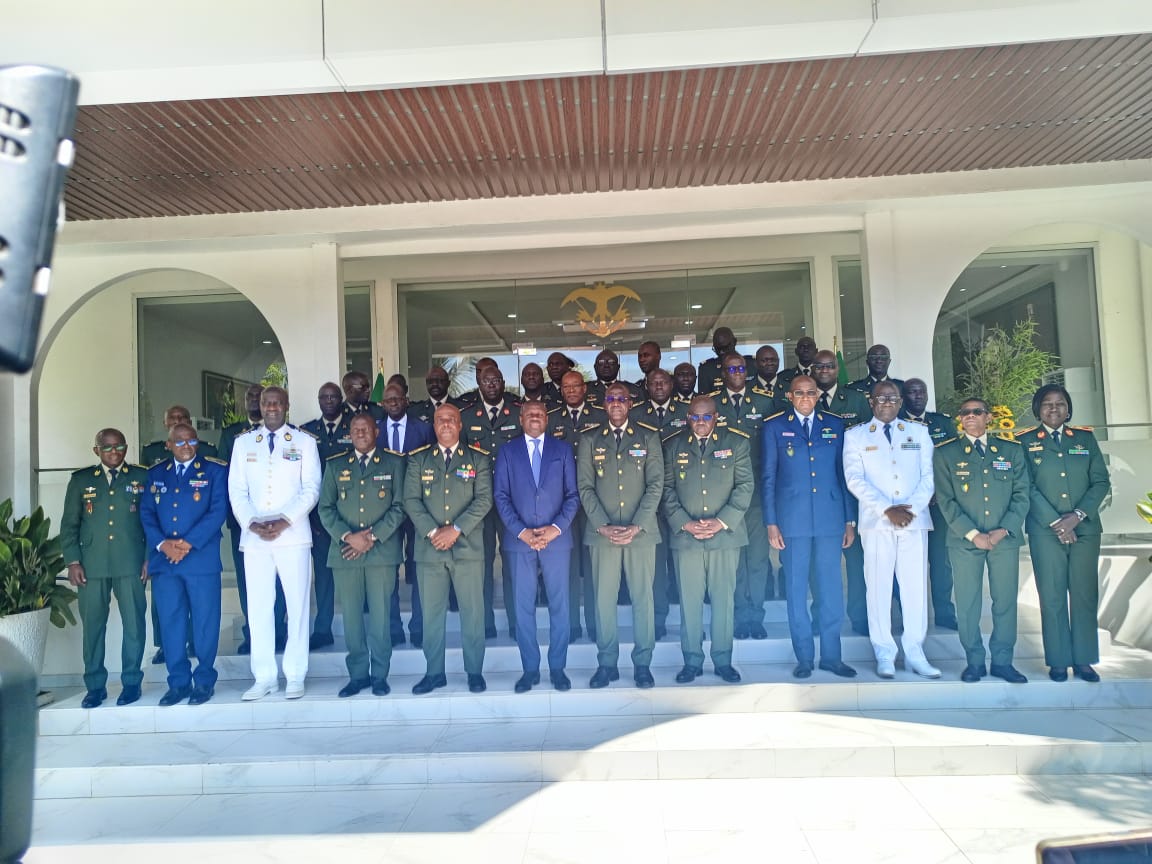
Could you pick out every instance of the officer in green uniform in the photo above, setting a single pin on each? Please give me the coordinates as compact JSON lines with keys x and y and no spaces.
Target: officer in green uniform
{"x":607,"y":366}
{"x":941,"y":427}
{"x":878,"y":359}
{"x":982,"y":489}
{"x":684,"y":382}
{"x":768,"y":378}
{"x":707,"y":489}
{"x":805,"y":352}
{"x":620,"y":475}
{"x":746,"y":408}
{"x":853,"y":408}
{"x":490,"y":423}
{"x":357,"y":388}
{"x":668,"y":417}
{"x":361,"y":508}
{"x":575,"y":418}
{"x":470,"y":398}
{"x":436,"y":382}
{"x":447,"y":492}
{"x":157,"y":451}
{"x":710,"y":377}
{"x":1069,"y":482}
{"x":559,"y":365}
{"x":103,"y":544}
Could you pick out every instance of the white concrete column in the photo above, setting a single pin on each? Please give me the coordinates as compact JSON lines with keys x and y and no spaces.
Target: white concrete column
{"x":16,"y":473}
{"x":386,"y":335}
{"x":318,"y":358}
{"x":825,"y":304}
{"x":1123,"y":328}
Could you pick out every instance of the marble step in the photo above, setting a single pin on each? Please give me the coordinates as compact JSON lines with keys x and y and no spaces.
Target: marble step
{"x":766,"y":688}
{"x":800,"y":743}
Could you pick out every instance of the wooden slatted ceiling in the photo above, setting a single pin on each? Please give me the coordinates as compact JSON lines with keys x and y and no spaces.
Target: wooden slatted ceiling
{"x":1086,"y":100}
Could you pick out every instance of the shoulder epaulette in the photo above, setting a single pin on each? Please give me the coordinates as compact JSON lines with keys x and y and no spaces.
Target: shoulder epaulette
{"x":391,"y":451}
{"x":339,"y":455}
{"x":558,"y":408}
{"x":1026,"y":431}
{"x":947,"y":441}
{"x":141,"y":467}
{"x":478,"y":449}
{"x":94,"y":470}
{"x":914,"y":420}
{"x":308,"y":432}
{"x":420,"y":449}
{"x":833,"y":414}
{"x":714,"y":393}
{"x":1081,"y":428}
{"x":740,"y":432}
{"x":761,"y":391}
{"x":773,"y":417}
{"x":1005,"y":435}
{"x":594,"y":407}
{"x":647,"y":426}
{"x":669,"y":436}
{"x":215,"y":459}
{"x":588,"y":427}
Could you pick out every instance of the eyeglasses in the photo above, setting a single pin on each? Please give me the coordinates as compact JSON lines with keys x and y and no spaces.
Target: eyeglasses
{"x":113,"y":448}
{"x":886,"y":400}
{"x":191,"y":442}
{"x":811,"y":394}
{"x":972,"y":412}
{"x":823,"y":365}
{"x":700,"y":418}
{"x":734,"y":370}
{"x":610,"y":399}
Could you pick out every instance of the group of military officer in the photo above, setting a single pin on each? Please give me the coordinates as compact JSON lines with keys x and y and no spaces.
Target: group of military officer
{"x":676,"y":493}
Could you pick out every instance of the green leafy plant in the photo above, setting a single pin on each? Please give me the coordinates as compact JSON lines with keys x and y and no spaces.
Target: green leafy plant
{"x":276,"y":375}
{"x":1144,"y":508}
{"x":30,"y":561}
{"x":1004,"y":369}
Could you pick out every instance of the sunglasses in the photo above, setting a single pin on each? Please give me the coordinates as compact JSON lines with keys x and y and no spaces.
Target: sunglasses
{"x":191,"y":442}
{"x":823,"y":365}
{"x":972,"y":412}
{"x":700,"y":418}
{"x":113,"y":448}
{"x":735,"y":370}
{"x":610,"y":399}
{"x":886,"y":400}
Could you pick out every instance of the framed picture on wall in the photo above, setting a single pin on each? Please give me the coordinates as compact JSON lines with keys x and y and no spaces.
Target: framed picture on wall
{"x":223,"y":396}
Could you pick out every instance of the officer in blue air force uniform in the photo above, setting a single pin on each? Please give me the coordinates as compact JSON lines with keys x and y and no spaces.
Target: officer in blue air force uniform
{"x":810,"y":517}
{"x":183,"y":513}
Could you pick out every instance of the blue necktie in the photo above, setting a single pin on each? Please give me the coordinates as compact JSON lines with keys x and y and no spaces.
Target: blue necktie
{"x":888,"y":432}
{"x":396,"y":437}
{"x":536,"y":461}
{"x":807,"y":428}
{"x":271,"y":441}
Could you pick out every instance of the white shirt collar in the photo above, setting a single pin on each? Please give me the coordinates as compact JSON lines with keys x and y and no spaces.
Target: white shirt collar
{"x":367,"y":455}
{"x":983,"y":439}
{"x":1055,"y":433}
{"x":831,"y":391}
{"x":666,"y":405}
{"x":740,"y":393}
{"x":499,"y":406}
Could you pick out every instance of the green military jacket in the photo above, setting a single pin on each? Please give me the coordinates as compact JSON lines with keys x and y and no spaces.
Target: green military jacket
{"x":941,"y":427}
{"x":459,"y":495}
{"x":710,"y":377}
{"x":756,"y":407}
{"x":849,"y":405}
{"x":675,"y":417}
{"x":597,"y":389}
{"x":981,"y":493}
{"x":1066,"y":475}
{"x":352,"y":499}
{"x":715,"y":485}
{"x":561,"y":427}
{"x":483,"y":433}
{"x":621,"y":485}
{"x":228,"y":436}
{"x":100,"y":527}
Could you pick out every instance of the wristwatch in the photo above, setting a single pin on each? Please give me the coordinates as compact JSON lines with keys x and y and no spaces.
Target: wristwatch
{"x":850,"y":524}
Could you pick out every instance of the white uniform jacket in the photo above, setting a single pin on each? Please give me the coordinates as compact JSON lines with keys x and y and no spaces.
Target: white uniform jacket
{"x":882,"y":474}
{"x":285,"y":482}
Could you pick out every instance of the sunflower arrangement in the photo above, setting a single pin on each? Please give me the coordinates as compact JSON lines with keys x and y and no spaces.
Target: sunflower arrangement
{"x":1002,"y":423}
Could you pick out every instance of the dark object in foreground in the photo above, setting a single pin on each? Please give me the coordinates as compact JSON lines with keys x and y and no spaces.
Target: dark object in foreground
{"x":17,"y":752}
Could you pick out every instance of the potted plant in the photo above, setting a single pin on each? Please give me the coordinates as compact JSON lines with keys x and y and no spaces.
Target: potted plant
{"x":30,"y":596}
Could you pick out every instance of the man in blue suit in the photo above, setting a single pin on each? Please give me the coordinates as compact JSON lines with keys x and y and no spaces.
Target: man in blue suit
{"x":810,"y":517}
{"x":402,"y":433}
{"x":183,"y":514}
{"x":536,"y":496}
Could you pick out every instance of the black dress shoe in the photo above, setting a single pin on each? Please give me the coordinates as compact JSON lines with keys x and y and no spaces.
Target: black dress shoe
{"x":200,"y":695}
{"x":158,"y":657}
{"x":642,"y":675}
{"x":1086,"y":673}
{"x":429,"y":683}
{"x":803,"y":670}
{"x":688,"y":674}
{"x":244,"y":647}
{"x":727,"y":673}
{"x":94,"y":698}
{"x":757,"y":631}
{"x":130,"y":694}
{"x":398,"y":639}
{"x":380,"y":687}
{"x":947,"y":623}
{"x":574,"y":634}
{"x":661,"y":632}
{"x":742,"y":631}
{"x":353,"y":687}
{"x":489,"y":632}
{"x":1058,"y":673}
{"x":417,"y":640}
{"x":973,"y":673}
{"x":1008,"y":673}
{"x":603,"y":676}
{"x":560,"y":681}
{"x":843,"y":670}
{"x":175,"y":696}
{"x":320,"y":640}
{"x":476,"y":684}
{"x":526,"y":682}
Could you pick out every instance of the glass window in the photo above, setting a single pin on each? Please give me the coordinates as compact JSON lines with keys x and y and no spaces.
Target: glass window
{"x":518,"y":322}
{"x":224,"y":344}
{"x":1056,"y":289}
{"x":358,"y":328}
{"x":854,"y":344}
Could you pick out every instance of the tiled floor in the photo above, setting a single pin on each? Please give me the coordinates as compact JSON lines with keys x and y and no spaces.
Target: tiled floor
{"x":921,"y":820}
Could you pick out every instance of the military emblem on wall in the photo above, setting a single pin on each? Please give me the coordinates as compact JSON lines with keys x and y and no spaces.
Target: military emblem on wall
{"x":602,"y":309}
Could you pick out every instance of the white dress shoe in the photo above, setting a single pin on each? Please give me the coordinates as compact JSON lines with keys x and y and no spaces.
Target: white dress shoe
{"x":885,"y":668}
{"x":259,"y":690}
{"x":922,"y":668}
{"x":294,"y":690}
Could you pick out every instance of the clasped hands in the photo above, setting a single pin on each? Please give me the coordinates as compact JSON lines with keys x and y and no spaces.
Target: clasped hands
{"x":989,"y":541}
{"x":356,"y":544}
{"x":1064,"y":528}
{"x":703,"y":529}
{"x":175,"y":550}
{"x":619,"y":535}
{"x":537,"y":539}
{"x":269,"y":530}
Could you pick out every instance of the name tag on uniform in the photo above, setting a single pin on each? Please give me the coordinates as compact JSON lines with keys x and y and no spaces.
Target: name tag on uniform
{"x":1078,"y":450}
{"x":639,"y":453}
{"x":910,"y":445}
{"x":428,"y":476}
{"x":787,"y":434}
{"x":475,"y":429}
{"x":252,"y":457}
{"x":508,"y":428}
{"x":1033,"y":447}
{"x":1002,"y":465}
{"x":871,"y":447}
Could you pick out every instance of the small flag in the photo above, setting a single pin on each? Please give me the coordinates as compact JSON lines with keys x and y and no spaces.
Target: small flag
{"x":842,"y":374}
{"x":377,"y":394}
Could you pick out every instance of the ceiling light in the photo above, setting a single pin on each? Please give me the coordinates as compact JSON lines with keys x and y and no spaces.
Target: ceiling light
{"x":696,"y":306}
{"x":267,"y":341}
{"x":511,"y":314}
{"x":521,"y":330}
{"x":688,"y":322}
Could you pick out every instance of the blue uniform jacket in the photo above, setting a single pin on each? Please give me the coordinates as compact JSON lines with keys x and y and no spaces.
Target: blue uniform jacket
{"x":192,"y":510}
{"x":802,"y":482}
{"x":521,"y":504}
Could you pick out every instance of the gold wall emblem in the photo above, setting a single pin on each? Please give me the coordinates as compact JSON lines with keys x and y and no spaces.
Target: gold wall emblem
{"x":596,"y":312}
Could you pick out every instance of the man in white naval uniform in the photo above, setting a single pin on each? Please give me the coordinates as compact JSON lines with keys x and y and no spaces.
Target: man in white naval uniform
{"x":888,"y":467}
{"x":273,"y":484}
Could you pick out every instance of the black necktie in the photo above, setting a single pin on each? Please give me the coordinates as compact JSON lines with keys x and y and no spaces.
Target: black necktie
{"x":979,"y":446}
{"x":180,"y":471}
{"x":703,"y":444}
{"x":660,"y":415}
{"x":363,"y":461}
{"x":736,"y":397}
{"x":619,"y":436}
{"x":575,"y":416}
{"x":888,"y":432}
{"x":447,"y":459}
{"x":805,"y":371}
{"x":111,"y":479}
{"x":331,"y":428}
{"x":824,"y":401}
{"x":808,"y":427}
{"x":494,"y":412}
